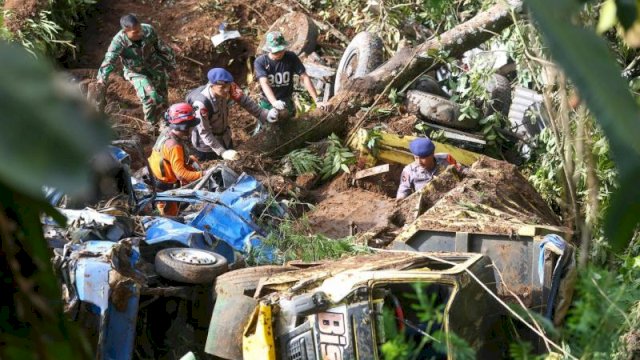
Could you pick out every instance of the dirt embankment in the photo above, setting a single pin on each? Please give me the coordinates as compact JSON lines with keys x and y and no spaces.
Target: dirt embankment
{"x":350,"y":211}
{"x":20,"y":11}
{"x":187,"y":26}
{"x":492,"y":197}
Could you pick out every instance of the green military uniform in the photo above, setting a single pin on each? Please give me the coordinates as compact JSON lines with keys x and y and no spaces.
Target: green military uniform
{"x":145,"y":63}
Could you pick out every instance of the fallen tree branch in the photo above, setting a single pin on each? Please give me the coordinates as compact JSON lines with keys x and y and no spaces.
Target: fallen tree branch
{"x":396,"y":72}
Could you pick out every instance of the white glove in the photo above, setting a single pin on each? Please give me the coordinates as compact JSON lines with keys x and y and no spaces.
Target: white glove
{"x":230,"y":155}
{"x":272,"y":115}
{"x":280,"y":105}
{"x":322,"y":105}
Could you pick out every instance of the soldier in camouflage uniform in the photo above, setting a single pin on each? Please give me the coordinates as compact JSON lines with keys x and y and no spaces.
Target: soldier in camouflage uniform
{"x":145,"y":59}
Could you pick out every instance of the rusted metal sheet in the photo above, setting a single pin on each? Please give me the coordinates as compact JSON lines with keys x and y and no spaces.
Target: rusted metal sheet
{"x":514,"y":257}
{"x":230,"y":315}
{"x":300,"y":280}
{"x":306,"y":277}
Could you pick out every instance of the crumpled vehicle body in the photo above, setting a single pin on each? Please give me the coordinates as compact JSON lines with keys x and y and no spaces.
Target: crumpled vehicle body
{"x":107,"y":270}
{"x":335,"y":310}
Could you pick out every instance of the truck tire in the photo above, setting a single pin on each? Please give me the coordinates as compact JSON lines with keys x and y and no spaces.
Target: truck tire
{"x":438,"y":110}
{"x":245,"y":281}
{"x":427,"y":84}
{"x":499,"y":89}
{"x":298,"y":29}
{"x":191,"y":266}
{"x":363,"y":55}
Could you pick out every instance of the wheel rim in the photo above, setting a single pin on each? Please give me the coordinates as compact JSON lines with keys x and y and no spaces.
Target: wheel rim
{"x":351,"y":65}
{"x":193,"y":257}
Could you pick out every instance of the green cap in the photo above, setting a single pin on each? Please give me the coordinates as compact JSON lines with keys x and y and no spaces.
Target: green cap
{"x":275,"y":42}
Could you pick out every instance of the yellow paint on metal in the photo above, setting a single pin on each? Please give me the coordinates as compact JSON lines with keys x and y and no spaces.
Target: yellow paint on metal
{"x":257,"y":342}
{"x":395,"y":148}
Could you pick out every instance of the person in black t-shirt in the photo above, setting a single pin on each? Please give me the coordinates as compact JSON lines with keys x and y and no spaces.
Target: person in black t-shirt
{"x":275,"y":71}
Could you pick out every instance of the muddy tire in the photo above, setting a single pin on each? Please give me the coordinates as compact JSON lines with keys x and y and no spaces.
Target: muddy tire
{"x":499,"y":89}
{"x":191,"y":266}
{"x":362,"y":56}
{"x":429,"y":85}
{"x":245,"y":281}
{"x":298,"y":29}
{"x":437,"y":109}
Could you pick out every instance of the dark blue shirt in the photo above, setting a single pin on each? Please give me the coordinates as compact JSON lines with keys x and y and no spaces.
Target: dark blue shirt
{"x":279,"y":73}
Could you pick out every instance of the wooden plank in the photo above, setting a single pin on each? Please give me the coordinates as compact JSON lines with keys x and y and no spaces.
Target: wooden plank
{"x":372,"y":171}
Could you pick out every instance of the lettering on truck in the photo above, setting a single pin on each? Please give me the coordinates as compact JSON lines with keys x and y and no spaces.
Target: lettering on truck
{"x":333,"y":337}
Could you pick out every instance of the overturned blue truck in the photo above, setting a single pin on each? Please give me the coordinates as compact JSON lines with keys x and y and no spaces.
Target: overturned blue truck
{"x":121,"y":268}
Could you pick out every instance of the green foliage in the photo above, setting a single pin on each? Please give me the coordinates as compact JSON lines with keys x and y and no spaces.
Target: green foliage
{"x":546,"y":173}
{"x":395,"y":20}
{"x":433,"y":134}
{"x":622,"y":14}
{"x":395,"y":96}
{"x":337,"y":157}
{"x":303,"y":161}
{"x":38,"y":148}
{"x":589,"y":64}
{"x":397,"y":348}
{"x":602,"y":310}
{"x":293,"y":240}
{"x":430,"y":314}
{"x":34,"y":103}
{"x":547,"y":168}
{"x":373,"y":140}
{"x":521,"y":351}
{"x":469,"y":90}
{"x":51,"y":32}
{"x":43,"y":36}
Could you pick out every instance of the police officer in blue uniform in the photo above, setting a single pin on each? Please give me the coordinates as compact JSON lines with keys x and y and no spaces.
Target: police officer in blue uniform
{"x":426,"y":166}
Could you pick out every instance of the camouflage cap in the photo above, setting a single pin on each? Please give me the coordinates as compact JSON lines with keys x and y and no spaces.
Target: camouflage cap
{"x":275,"y":42}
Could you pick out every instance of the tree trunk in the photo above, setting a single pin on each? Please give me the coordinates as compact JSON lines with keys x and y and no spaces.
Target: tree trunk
{"x":402,"y":68}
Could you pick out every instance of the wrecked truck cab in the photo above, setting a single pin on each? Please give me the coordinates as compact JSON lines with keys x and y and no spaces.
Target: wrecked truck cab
{"x":169,"y":268}
{"x":337,"y":310}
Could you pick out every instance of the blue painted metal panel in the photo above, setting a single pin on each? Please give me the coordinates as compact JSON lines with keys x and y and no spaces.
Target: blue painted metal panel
{"x":159,"y":229}
{"x":117,"y":323}
{"x":119,"y":154}
{"x":120,"y":333}
{"x":226,"y":216}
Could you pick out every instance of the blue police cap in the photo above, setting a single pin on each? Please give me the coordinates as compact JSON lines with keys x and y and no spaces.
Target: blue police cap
{"x":422,"y":147}
{"x":219,"y":76}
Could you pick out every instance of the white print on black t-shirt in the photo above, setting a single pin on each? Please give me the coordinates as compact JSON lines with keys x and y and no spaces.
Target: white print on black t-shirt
{"x":279,"y":79}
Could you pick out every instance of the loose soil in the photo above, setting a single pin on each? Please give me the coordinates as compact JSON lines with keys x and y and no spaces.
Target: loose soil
{"x":355,"y":209}
{"x":493,"y":198}
{"x":20,"y":11}
{"x":186,"y":25}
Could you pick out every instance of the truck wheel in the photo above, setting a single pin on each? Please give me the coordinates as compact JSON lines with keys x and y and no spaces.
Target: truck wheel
{"x":427,"y":84}
{"x":499,"y":89}
{"x":298,"y":29}
{"x":437,"y":109}
{"x":245,"y":281}
{"x":191,"y":266}
{"x":363,"y":55}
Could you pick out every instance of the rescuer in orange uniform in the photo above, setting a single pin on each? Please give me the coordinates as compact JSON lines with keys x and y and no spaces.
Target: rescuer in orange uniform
{"x":170,"y":163}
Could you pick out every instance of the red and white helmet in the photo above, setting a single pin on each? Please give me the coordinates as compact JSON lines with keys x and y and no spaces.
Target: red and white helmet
{"x":181,"y":117}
